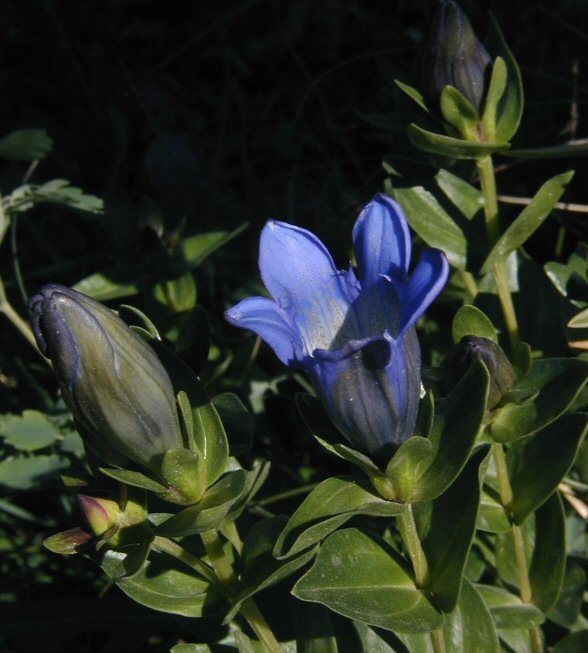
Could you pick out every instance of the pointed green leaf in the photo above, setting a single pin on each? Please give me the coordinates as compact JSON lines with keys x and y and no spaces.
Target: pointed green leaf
{"x":453,"y":435}
{"x":538,"y":464}
{"x":135,"y":479}
{"x":413,"y":94}
{"x":401,"y":468}
{"x":471,"y":321}
{"x":361,"y":577}
{"x":181,"y":471}
{"x":511,"y":104}
{"x":327,"y":507}
{"x":454,"y":148}
{"x":458,"y":111}
{"x":552,"y":385}
{"x":492,"y":517}
{"x":462,"y":195}
{"x":446,"y":528}
{"x":508,"y":611}
{"x":496,"y":89}
{"x":433,"y":224}
{"x":528,"y":221}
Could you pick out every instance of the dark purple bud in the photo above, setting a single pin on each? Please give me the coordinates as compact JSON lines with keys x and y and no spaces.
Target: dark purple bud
{"x":454,"y":56}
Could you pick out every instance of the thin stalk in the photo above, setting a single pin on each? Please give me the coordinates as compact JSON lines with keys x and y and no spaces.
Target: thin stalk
{"x":410,"y":537}
{"x":288,"y":494}
{"x":506,"y":498}
{"x":227,"y":577}
{"x":171,"y":548}
{"x":488,"y":186}
{"x":470,"y":285}
{"x":412,"y":543}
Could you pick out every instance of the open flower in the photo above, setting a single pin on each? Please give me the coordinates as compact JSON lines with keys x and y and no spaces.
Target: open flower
{"x":354,"y":338}
{"x":112,"y":381}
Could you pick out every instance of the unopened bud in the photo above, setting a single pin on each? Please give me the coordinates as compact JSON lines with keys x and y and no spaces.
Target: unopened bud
{"x":100,"y":514}
{"x":454,"y":56}
{"x":474,"y":348}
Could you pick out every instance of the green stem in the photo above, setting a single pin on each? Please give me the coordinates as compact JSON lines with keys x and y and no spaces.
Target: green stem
{"x":470,"y":285}
{"x":506,"y":498}
{"x":227,"y":577}
{"x":288,"y":494}
{"x":438,"y":641}
{"x":171,"y":548}
{"x":410,"y":537}
{"x":488,"y":186}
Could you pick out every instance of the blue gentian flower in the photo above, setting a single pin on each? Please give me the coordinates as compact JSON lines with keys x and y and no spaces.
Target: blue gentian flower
{"x":355,"y":338}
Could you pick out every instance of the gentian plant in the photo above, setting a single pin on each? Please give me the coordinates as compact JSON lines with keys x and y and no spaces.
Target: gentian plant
{"x":459,"y":474}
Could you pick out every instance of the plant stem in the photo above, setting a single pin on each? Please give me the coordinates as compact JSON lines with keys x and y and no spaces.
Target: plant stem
{"x":410,"y":537}
{"x":438,"y":641}
{"x":288,"y":494}
{"x":506,"y":498}
{"x":488,"y":186}
{"x":227,"y":577}
{"x":176,"y":551}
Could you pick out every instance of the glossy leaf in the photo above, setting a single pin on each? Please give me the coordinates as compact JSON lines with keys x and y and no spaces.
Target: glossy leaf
{"x":567,"y":609}
{"x":492,"y":517}
{"x":510,"y":107}
{"x":539,"y":463}
{"x":412,"y":93}
{"x":553,"y":384}
{"x":458,"y":111}
{"x":210,"y":511}
{"x":180,"y":469}
{"x":111,"y":284}
{"x":259,"y":567}
{"x":448,"y":146}
{"x":446,"y":528}
{"x":328,"y":506}
{"x":25,"y":472}
{"x":164,"y":584}
{"x":508,"y":611}
{"x":470,"y":320}
{"x":401,"y":468}
{"x":135,"y":479}
{"x":361,"y":577}
{"x":194,"y":250}
{"x":496,"y":89}
{"x":453,"y":435}
{"x":528,"y":221}
{"x":462,"y":195}
{"x":433,"y":224}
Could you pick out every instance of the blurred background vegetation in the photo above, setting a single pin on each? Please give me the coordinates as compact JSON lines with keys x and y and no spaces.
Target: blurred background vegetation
{"x":189,"y":117}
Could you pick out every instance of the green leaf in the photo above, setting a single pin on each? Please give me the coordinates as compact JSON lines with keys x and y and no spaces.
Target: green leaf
{"x":401,"y":468}
{"x":446,"y":529}
{"x":454,"y":148}
{"x":412,"y":93}
{"x":134,"y":479}
{"x":463,"y":196}
{"x":327,"y":507}
{"x":237,"y":420}
{"x":361,"y":577}
{"x":181,"y":471}
{"x":67,"y":542}
{"x":453,"y":435}
{"x":580,"y":320}
{"x":528,"y":221}
{"x":111,"y":284}
{"x":433,"y":224}
{"x":25,"y":145}
{"x":552,"y":384}
{"x":209,"y":512}
{"x":164,"y":584}
{"x":494,"y":94}
{"x":566,"y":611}
{"x":571,"y":148}
{"x":547,"y":568}
{"x":130,"y":314}
{"x":29,"y":432}
{"x":458,"y":111}
{"x":23,"y":473}
{"x":539,"y":463}
{"x":259,"y":567}
{"x":179,"y":295}
{"x":492,"y":516}
{"x":194,"y":250}
{"x":193,"y":341}
{"x":470,"y":320}
{"x":508,"y":611}
{"x":573,"y":643}
{"x":510,"y":107}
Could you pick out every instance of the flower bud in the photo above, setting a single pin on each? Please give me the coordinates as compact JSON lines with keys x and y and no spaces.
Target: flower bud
{"x":474,"y":348}
{"x":118,"y":391}
{"x":100,"y":514}
{"x":454,"y":56}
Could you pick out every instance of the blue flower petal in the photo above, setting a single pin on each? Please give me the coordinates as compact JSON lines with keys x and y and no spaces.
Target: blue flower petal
{"x":426,"y":282}
{"x":371,"y":390}
{"x":381,"y":241}
{"x":300,"y":274}
{"x":271,"y":324}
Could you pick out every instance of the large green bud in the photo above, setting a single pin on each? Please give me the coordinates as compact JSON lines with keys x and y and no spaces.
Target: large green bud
{"x":454,"y":56}
{"x":118,"y":391}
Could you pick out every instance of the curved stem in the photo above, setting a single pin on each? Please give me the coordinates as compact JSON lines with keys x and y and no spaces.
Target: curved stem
{"x":288,"y":494}
{"x":176,"y":551}
{"x":506,"y":498}
{"x":227,"y":577}
{"x":410,"y":537}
